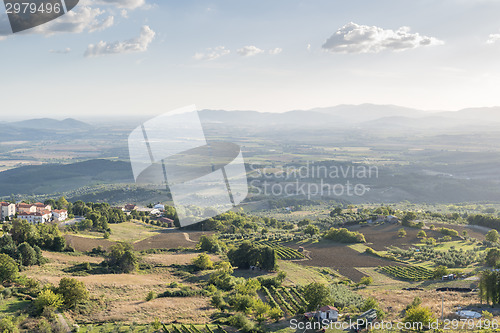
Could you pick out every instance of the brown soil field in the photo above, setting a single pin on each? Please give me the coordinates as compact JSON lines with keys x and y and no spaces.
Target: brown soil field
{"x":341,"y":258}
{"x":171,"y":239}
{"x":165,"y":240}
{"x":83,"y":244}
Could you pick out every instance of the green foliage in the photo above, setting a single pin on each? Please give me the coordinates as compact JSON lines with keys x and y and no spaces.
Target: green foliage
{"x":344,"y":297}
{"x":202,"y":262}
{"x":8,"y":324}
{"x":311,"y":230}
{"x":343,"y":235}
{"x":210,"y":244}
{"x":73,"y":291}
{"x":249,"y":287}
{"x":218,"y":302}
{"x":411,"y":273}
{"x":8,"y":268}
{"x":248,"y":254}
{"x":448,"y":232}
{"x":372,"y":303}
{"x":27,"y":254}
{"x":222,"y":278}
{"x":402,"y":233}
{"x":439,"y":272}
{"x":421,"y":234}
{"x":275,"y":313}
{"x":492,"y":236}
{"x":122,"y":258}
{"x":48,"y":299}
{"x":240,"y":321}
{"x":419,"y":315}
{"x":317,"y":294}
{"x":150,"y":296}
{"x":366,"y":280}
{"x":492,"y":257}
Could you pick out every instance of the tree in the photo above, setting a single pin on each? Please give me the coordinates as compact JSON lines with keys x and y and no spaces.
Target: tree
{"x":408,"y":218}
{"x":336,"y":211}
{"x":317,"y":294}
{"x":402,"y":233}
{"x":8,"y":268}
{"x":48,"y":299}
{"x":311,"y":230}
{"x":371,"y":303}
{"x":27,"y":254}
{"x":366,"y":280}
{"x":492,"y":257}
{"x":73,"y":291}
{"x":275,"y":314}
{"x":122,"y":258}
{"x":209,"y":244}
{"x":492,"y":236}
{"x":261,"y":309}
{"x":439,"y":272}
{"x":420,"y":316}
{"x":218,"y":302}
{"x":421,"y":234}
{"x":203,"y":262}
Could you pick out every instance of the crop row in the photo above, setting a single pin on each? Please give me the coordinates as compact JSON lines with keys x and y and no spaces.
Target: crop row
{"x":191,"y":329}
{"x":270,"y":298}
{"x":412,"y":273}
{"x":282,"y":300}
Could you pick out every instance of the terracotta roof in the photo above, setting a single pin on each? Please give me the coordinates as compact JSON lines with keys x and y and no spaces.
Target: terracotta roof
{"x":327,"y":308}
{"x":59,"y":211}
{"x":3,"y":203}
{"x":24,"y":205}
{"x":39,"y":204}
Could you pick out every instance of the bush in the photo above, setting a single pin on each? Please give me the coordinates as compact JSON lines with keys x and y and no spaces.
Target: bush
{"x":48,"y":299}
{"x":343,"y":235}
{"x":72,"y":291}
{"x":240,"y":321}
{"x":151,"y":296}
{"x":8,"y":268}
{"x":366,"y":280}
{"x":202,"y":262}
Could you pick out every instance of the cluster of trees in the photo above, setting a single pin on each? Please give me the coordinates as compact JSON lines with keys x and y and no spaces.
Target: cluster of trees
{"x":485,"y":221}
{"x":24,"y":241}
{"x":98,"y":216}
{"x":448,"y":232}
{"x":67,"y":294}
{"x":489,"y":287}
{"x":210,"y":244}
{"x":248,"y":254}
{"x":343,"y":235}
{"x":121,"y":258}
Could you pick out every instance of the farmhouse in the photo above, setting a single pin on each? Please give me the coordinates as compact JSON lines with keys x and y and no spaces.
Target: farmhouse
{"x":40,"y":207}
{"x":159,"y":207}
{"x":325,"y":312}
{"x":36,"y":217}
{"x":59,"y":214}
{"x":130,"y":207}
{"x":7,"y":209}
{"x":167,"y":221}
{"x":25,"y":208}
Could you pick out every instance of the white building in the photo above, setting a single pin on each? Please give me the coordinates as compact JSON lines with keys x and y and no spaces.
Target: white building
{"x":60,"y":214}
{"x":7,"y":209}
{"x":36,"y":217}
{"x":159,"y":207}
{"x":25,"y":208}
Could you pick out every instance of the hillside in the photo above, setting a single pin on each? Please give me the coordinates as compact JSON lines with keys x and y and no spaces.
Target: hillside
{"x":51,"y":178}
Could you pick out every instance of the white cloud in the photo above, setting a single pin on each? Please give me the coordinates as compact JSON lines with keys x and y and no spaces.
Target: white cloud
{"x":64,"y":51}
{"x":78,"y":20}
{"x":249,"y":51}
{"x":137,"y":44}
{"x":212,"y":53}
{"x":127,"y":4}
{"x":275,"y":51}
{"x":493,"y":38}
{"x":355,"y":38}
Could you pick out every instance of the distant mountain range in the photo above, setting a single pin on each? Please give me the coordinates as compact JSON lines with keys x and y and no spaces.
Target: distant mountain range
{"x":49,"y":123}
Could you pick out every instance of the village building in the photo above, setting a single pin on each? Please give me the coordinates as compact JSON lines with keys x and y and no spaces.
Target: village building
{"x":7,"y":209}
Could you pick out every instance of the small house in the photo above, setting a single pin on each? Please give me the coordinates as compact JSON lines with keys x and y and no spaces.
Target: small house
{"x":448,"y":277}
{"x":160,"y":207}
{"x":327,"y":312}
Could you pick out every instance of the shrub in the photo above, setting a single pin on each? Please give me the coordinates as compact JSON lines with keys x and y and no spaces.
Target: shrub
{"x":151,"y":296}
{"x":8,"y":268}
{"x":202,"y":262}
{"x":343,"y":235}
{"x":72,"y":291}
{"x":48,"y":299}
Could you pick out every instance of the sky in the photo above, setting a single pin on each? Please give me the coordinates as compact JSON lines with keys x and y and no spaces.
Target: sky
{"x":119,"y":58}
